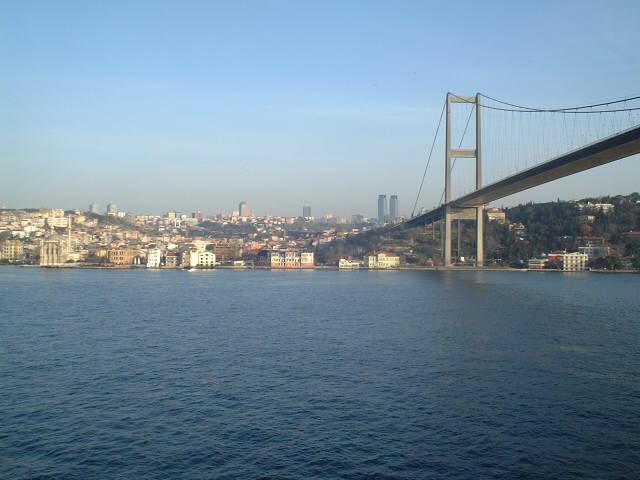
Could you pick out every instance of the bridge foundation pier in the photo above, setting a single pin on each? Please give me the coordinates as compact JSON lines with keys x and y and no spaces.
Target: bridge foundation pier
{"x":446,"y":236}
{"x":479,"y":236}
{"x":451,"y":214}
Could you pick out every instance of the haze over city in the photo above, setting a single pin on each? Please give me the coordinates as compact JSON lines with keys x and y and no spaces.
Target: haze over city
{"x":198,"y":105}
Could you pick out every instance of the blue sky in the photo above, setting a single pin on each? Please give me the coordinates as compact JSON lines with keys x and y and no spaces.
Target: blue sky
{"x":198,"y":105}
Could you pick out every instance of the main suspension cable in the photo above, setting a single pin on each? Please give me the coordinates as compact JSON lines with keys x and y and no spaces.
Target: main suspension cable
{"x":579,"y":109}
{"x":433,"y":144}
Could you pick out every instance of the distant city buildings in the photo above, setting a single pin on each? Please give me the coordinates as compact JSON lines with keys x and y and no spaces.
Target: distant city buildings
{"x":243,"y":209}
{"x":93,"y":208}
{"x":382,"y":208}
{"x":194,"y":240}
{"x":112,"y":209}
{"x":387,"y":212}
{"x":393,"y":208}
{"x":160,"y":241}
{"x":306,"y":212}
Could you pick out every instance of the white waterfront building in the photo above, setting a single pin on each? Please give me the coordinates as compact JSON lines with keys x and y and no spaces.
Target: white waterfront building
{"x":382,"y":260}
{"x":345,"y":264}
{"x":574,"y":262}
{"x":154,"y":256}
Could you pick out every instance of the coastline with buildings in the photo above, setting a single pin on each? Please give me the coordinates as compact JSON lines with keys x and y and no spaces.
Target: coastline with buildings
{"x":591,"y":236}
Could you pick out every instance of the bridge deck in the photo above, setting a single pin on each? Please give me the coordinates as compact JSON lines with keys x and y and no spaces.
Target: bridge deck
{"x":604,"y":151}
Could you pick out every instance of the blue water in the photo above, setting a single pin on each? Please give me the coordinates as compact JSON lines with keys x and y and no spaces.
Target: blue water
{"x":318,"y":374}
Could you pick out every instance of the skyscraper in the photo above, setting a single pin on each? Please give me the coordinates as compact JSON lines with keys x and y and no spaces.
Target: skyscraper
{"x":306,"y":212}
{"x":382,"y":208}
{"x":93,"y":208}
{"x":393,"y":208}
{"x":243,"y":209}
{"x":112,"y":209}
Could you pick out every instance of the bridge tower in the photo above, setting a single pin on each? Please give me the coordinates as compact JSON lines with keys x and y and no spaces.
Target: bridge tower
{"x":451,"y":212}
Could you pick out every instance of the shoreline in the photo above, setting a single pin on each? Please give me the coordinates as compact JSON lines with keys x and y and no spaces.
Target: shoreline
{"x":318,"y":267}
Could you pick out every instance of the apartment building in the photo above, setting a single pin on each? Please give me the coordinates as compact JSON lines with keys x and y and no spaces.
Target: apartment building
{"x":575,"y":262}
{"x":286,"y":258}
{"x":382,"y":260}
{"x":12,"y":250}
{"x":121,"y":256}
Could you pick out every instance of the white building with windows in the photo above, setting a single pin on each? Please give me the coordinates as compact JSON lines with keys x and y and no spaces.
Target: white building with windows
{"x":382,"y":260}
{"x":575,"y":262}
{"x":206,"y":259}
{"x":285,"y":258}
{"x":154,"y":257}
{"x":198,"y":258}
{"x":345,"y":264}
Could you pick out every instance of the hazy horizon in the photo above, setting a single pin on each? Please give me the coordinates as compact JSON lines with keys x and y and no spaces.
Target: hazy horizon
{"x":197,"y":106}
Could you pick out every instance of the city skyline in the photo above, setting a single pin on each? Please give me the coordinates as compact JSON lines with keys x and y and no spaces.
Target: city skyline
{"x":174,"y":114}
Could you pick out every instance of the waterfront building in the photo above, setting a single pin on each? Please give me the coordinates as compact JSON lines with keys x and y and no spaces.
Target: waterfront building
{"x":393,"y":208}
{"x":12,"y":250}
{"x":227,"y":251}
{"x":154,"y":257}
{"x":206,"y":259}
{"x":574,"y":262}
{"x":172,"y":260}
{"x":121,"y":256}
{"x":195,"y":258}
{"x":243,"y":209}
{"x":55,"y":249}
{"x":537,"y":263}
{"x":189,"y":258}
{"x":346,"y":264}
{"x":306,"y":212}
{"x":285,"y":258}
{"x":382,"y":208}
{"x":382,"y":260}
{"x":52,"y":253}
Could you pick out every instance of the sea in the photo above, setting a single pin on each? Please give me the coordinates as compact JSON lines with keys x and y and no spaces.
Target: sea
{"x":257,"y":374}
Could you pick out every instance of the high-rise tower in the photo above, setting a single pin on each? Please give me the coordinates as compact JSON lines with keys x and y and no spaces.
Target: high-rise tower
{"x":393,"y":208}
{"x":243,"y":209}
{"x":382,"y":208}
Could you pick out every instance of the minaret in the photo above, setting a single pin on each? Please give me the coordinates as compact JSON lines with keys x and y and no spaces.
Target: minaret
{"x":68,"y":234}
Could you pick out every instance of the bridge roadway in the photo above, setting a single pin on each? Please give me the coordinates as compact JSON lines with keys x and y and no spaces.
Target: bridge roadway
{"x":609,"y":149}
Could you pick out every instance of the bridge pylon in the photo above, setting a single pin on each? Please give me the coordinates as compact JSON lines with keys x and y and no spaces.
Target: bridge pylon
{"x":451,"y":212}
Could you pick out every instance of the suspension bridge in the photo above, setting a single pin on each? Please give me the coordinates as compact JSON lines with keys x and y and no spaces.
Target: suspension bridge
{"x":525,"y":148}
